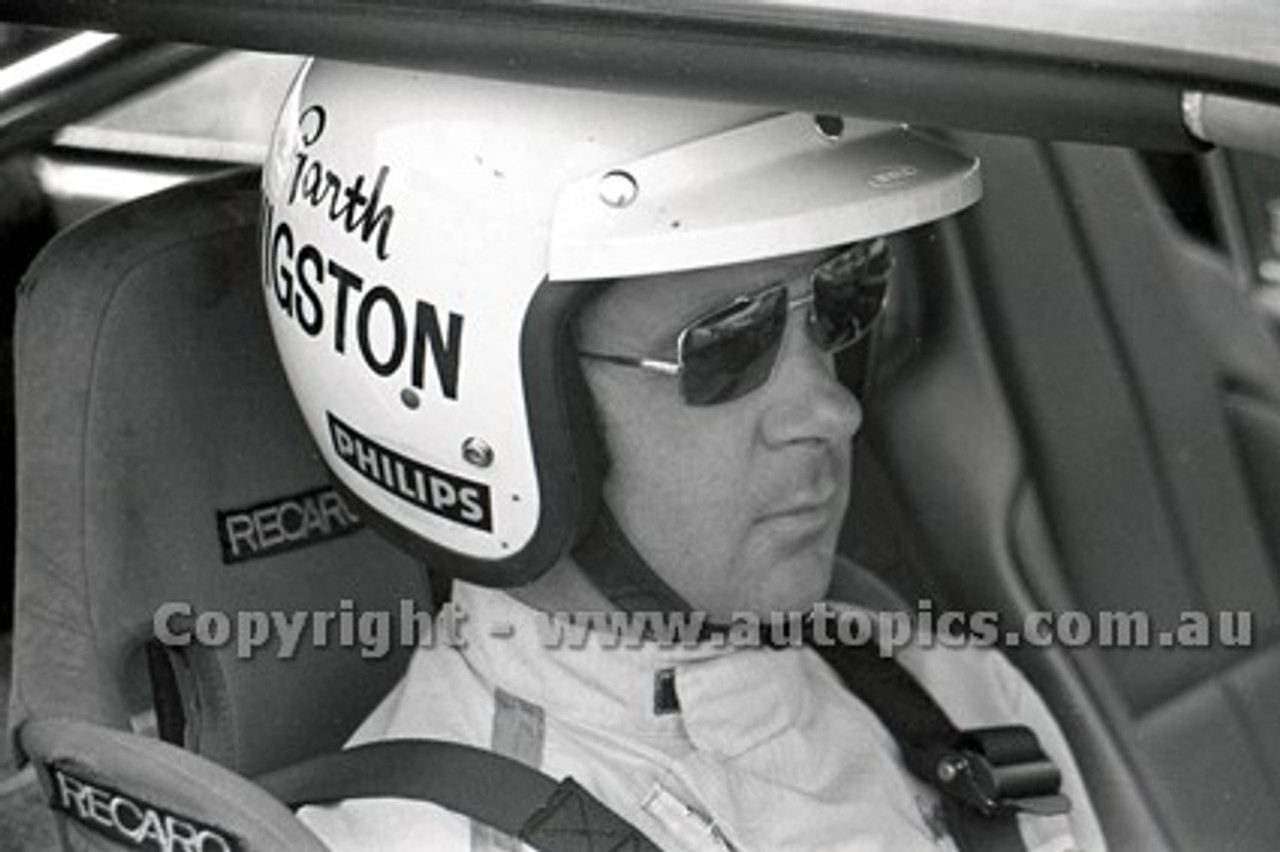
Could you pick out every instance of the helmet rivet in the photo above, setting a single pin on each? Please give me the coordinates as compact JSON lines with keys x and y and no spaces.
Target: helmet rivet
{"x":477,"y":452}
{"x":618,"y":189}
{"x":829,"y":127}
{"x":409,"y":398}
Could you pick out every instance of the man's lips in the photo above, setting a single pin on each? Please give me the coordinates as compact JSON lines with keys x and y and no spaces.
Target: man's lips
{"x":811,"y":490}
{"x":814,"y":503}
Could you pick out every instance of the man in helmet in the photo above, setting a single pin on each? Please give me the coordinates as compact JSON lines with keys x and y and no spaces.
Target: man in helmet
{"x":575,"y":349}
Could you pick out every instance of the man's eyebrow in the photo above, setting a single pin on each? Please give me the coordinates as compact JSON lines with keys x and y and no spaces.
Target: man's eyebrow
{"x":622,"y":325}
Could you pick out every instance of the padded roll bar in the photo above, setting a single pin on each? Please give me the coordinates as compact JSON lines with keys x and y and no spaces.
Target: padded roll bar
{"x":76,"y":76}
{"x":798,"y":54}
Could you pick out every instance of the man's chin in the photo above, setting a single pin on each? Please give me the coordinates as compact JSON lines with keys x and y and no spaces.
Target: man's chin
{"x":808,"y":579}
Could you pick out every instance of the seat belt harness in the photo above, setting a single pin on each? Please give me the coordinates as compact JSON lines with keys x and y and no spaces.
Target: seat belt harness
{"x":986,"y":776}
{"x":493,"y":789}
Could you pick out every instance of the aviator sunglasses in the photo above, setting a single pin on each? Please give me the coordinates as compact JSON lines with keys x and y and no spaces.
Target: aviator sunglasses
{"x":730,"y":351}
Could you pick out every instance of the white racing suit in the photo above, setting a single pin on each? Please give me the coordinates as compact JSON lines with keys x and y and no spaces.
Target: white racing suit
{"x":766,"y":752}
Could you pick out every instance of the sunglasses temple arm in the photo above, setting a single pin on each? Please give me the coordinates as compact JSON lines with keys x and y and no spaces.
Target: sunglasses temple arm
{"x":667,"y":368}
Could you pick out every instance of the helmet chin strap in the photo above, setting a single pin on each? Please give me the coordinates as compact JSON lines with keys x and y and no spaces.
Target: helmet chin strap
{"x":604,"y":553}
{"x":613,"y":566}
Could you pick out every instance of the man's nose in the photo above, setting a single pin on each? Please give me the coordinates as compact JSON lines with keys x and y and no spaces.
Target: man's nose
{"x":808,"y":402}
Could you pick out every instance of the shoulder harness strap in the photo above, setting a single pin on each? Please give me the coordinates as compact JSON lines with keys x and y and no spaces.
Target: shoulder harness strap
{"x":986,"y":776}
{"x":490,"y":788}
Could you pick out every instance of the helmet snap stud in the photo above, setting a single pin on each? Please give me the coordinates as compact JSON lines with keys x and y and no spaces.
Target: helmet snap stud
{"x":951,"y":767}
{"x":618,"y":189}
{"x":477,"y":452}
{"x":410,"y":399}
{"x":829,"y":127}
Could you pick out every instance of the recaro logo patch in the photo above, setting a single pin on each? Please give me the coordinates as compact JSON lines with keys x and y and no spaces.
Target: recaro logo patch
{"x":133,"y":822}
{"x":284,"y":524}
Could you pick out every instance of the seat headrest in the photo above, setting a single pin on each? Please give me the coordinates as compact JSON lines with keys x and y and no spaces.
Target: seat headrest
{"x":162,"y":462}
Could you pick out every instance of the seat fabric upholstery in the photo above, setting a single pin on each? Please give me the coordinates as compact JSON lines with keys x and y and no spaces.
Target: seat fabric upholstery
{"x":152,"y":407}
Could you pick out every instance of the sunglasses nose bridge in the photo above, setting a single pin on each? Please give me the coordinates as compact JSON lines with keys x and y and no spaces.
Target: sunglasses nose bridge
{"x":803,"y":310}
{"x":801,"y":347}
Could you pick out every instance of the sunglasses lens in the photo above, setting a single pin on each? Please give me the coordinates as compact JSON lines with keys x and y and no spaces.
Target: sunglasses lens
{"x":849,"y":292}
{"x":731,"y":352}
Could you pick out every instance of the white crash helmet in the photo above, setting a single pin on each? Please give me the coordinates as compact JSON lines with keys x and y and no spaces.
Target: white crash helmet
{"x":426,"y":239}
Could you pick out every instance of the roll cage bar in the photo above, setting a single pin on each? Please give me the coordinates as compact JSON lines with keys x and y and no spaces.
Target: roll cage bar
{"x":968,"y":74}
{"x":71,"y":76}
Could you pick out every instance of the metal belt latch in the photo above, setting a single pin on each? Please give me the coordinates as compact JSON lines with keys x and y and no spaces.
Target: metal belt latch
{"x":999,"y":770}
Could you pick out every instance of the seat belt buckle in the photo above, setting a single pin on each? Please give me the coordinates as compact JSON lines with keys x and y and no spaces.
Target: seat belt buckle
{"x":1001,"y":770}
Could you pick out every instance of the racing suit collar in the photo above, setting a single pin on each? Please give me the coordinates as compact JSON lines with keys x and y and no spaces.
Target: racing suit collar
{"x":597,"y":674}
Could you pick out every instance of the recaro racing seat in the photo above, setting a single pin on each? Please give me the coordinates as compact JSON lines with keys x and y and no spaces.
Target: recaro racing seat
{"x":1090,"y":420}
{"x":163,"y":468}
